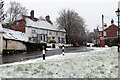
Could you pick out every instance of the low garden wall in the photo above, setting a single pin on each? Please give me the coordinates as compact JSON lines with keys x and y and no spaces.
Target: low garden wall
{"x":58,"y":45}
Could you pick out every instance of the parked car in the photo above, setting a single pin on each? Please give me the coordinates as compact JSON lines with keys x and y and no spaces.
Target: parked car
{"x":89,"y":44}
{"x":75,"y":45}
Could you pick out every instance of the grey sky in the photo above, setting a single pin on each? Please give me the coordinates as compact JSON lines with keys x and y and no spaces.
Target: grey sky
{"x":90,"y":10}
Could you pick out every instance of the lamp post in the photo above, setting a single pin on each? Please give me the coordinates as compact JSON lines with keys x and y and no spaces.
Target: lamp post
{"x":118,"y":14}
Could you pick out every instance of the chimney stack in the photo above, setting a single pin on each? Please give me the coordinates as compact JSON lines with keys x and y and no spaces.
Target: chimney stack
{"x":112,"y":21}
{"x":32,"y":14}
{"x":48,"y":19}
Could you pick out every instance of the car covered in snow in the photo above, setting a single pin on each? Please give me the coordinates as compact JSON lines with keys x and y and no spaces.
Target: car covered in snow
{"x":89,"y":44}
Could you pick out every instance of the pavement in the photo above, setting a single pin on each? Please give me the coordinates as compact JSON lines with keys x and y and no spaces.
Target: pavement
{"x":37,"y":54}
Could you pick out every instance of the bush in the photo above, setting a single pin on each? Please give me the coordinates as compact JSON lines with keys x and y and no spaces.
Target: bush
{"x":111,"y":42}
{"x":52,"y":41}
{"x":41,"y":46}
{"x":35,"y":46}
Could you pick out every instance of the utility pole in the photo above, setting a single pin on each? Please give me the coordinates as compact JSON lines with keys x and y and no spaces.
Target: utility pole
{"x":118,"y":15}
{"x":102,"y":39}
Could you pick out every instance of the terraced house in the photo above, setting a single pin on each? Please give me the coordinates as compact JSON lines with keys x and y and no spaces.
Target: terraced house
{"x":39,"y":30}
{"x":110,"y":34}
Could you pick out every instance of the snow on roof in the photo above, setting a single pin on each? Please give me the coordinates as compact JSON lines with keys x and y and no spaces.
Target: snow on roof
{"x":42,"y":24}
{"x":1,"y":29}
{"x":14,"y":35}
{"x":19,"y":18}
{"x":101,"y":29}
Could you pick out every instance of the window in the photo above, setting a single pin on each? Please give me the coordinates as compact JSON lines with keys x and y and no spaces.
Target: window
{"x":62,"y":40}
{"x":30,"y":38}
{"x":41,"y":37}
{"x":17,"y":23}
{"x":104,"y":33}
{"x":44,"y":37}
{"x":49,"y":38}
{"x":100,"y":33}
{"x":56,"y":33}
{"x":62,"y":34}
{"x":50,"y":33}
{"x":117,"y":33}
{"x":58,"y":39}
{"x":33,"y":31}
{"x":35,"y":39}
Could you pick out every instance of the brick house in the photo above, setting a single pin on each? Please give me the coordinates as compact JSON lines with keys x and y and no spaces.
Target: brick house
{"x":19,"y":26}
{"x":110,"y":31}
{"x":39,"y":30}
{"x":110,"y":34}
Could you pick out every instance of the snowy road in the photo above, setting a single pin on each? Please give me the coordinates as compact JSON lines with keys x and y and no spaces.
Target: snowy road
{"x":101,"y":63}
{"x":38,"y":54}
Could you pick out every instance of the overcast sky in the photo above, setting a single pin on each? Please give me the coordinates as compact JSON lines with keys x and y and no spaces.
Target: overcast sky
{"x":90,"y":10}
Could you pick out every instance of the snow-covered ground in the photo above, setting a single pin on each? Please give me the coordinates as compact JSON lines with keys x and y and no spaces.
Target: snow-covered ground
{"x":100,"y":63}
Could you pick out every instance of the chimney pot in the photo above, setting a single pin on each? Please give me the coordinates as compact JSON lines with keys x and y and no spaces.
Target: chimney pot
{"x":47,"y":18}
{"x":32,"y":14}
{"x":112,"y":21}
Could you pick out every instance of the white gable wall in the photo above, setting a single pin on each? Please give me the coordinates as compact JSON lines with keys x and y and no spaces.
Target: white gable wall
{"x":43,"y":35}
{"x":1,"y":39}
{"x":28,"y":32}
{"x":42,"y":31}
{"x":13,"y":45}
{"x":58,"y":36}
{"x":1,"y":42}
{"x":36,"y":34}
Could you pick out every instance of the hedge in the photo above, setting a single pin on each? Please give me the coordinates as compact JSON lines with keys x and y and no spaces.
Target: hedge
{"x":111,"y":42}
{"x":52,"y":41}
{"x":35,"y":46}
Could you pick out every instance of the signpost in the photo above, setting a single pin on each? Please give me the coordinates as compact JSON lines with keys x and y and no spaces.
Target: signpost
{"x":63,"y":50}
{"x":102,"y":41}
{"x":43,"y":53}
{"x":102,"y":38}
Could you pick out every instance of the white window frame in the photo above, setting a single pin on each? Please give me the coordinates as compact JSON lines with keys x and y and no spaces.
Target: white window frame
{"x":50,"y":33}
{"x":33,"y":31}
{"x":17,"y":23}
{"x":100,"y":33}
{"x":57,"y":33}
{"x":117,"y":33}
{"x":104,"y":33}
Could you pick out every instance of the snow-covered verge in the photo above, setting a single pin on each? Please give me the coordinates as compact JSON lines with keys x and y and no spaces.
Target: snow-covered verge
{"x":101,"y":63}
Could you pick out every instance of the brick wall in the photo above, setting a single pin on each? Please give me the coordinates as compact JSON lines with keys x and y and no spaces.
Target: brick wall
{"x":19,"y":26}
{"x":111,"y":31}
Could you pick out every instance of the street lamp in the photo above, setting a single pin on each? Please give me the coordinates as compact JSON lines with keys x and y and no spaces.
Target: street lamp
{"x":118,"y":14}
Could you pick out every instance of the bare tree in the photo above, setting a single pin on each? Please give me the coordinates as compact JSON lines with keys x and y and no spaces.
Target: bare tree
{"x":73,"y":24}
{"x":2,"y":14}
{"x":89,"y":36}
{"x":15,"y":10}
